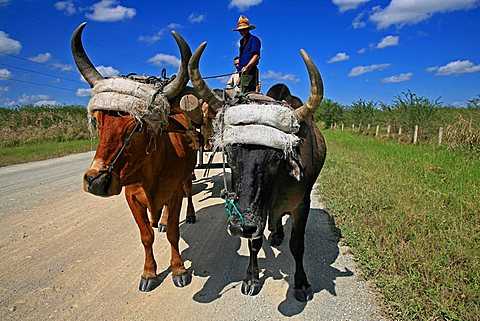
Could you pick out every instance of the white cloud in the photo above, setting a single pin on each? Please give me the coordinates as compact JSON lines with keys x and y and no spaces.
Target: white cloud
{"x":362,"y":50}
{"x":4,"y":89}
{"x":159,"y":34}
{"x":164,"y":59}
{"x":455,"y":68}
{"x":341,"y":56}
{"x":360,"y":70}
{"x":358,"y":23}
{"x":49,"y":102}
{"x":108,"y":71}
{"x":25,"y":99}
{"x":196,"y":18}
{"x":62,"y":67}
{"x":8,"y":45}
{"x":66,"y":6}
{"x":344,"y":5}
{"x":41,"y":58}
{"x":243,"y":5}
{"x":388,"y":41}
{"x":279,"y":76}
{"x":4,"y":2}
{"x":109,"y":11}
{"x":30,"y":99}
{"x":84,"y":92}
{"x":398,"y":78}
{"x":105,"y":72}
{"x":5,"y":74}
{"x":403,"y":12}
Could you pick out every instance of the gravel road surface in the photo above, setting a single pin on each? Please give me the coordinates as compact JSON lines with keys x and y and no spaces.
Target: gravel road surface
{"x":68,"y":255}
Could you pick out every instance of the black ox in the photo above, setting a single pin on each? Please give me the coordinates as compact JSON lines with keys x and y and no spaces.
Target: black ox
{"x":267,"y":185}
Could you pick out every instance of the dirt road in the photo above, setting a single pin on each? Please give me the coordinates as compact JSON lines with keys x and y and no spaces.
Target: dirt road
{"x":68,"y":255}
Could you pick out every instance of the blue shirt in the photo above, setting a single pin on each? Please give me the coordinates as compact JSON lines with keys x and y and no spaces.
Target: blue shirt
{"x":248,"y":46}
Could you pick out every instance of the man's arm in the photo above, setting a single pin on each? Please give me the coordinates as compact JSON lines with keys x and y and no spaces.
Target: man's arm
{"x":252,"y":62}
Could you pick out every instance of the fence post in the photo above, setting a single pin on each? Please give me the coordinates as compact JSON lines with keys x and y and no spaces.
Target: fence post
{"x":415,"y":134}
{"x":440,"y":135}
{"x":399,"y":134}
{"x":353,"y":127}
{"x":368,"y":129}
{"x":376,"y":130}
{"x":388,"y":131}
{"x":360,"y":128}
{"x":342,"y":127}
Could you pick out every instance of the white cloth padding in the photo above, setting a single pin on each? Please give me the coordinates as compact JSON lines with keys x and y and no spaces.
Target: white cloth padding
{"x":277,"y":116}
{"x":258,"y":135}
{"x":140,"y":100}
{"x":124,"y":86}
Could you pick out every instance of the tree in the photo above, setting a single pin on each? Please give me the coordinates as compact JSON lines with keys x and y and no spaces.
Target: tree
{"x":474,"y":103}
{"x":330,"y":112}
{"x":411,"y":110}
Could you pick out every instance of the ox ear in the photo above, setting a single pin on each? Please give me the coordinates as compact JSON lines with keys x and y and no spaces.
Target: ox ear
{"x":294,"y":166}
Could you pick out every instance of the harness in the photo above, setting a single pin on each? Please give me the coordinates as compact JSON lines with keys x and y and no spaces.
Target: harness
{"x":138,"y":127}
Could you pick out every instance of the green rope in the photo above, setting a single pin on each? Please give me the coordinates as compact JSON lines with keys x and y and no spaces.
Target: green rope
{"x":235,"y":208}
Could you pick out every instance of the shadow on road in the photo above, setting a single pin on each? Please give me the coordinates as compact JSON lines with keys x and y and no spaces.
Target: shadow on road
{"x":213,"y":254}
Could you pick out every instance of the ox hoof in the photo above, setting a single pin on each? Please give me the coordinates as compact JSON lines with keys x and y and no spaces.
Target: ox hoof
{"x":147,"y":285}
{"x":304,"y":294}
{"x":190,"y":219}
{"x":162,"y":228}
{"x":276,"y":239}
{"x":182,"y":280}
{"x":250,"y":287}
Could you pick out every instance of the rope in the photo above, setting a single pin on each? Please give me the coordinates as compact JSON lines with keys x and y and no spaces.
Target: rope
{"x":220,"y":76}
{"x":230,"y":202}
{"x":225,"y":194}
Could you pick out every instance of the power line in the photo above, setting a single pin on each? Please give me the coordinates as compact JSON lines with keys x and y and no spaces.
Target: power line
{"x":41,"y":73}
{"x":69,"y":32}
{"x":21,"y":58}
{"x":37,"y":83}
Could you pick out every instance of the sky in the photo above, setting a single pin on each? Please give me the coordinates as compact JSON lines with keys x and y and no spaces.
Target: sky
{"x":364,"y":49}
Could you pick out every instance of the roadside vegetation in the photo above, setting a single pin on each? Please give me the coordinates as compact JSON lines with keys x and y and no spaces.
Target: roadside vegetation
{"x":411,"y":214}
{"x":31,"y":133}
{"x":460,"y":126}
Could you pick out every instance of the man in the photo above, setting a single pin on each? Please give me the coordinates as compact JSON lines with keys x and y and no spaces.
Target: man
{"x":234,"y":81}
{"x":249,"y":55}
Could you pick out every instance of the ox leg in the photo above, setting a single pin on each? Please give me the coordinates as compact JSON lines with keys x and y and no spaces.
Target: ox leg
{"x":303,"y":290}
{"x":180,"y":275}
{"x":277,"y":235}
{"x":148,"y":280}
{"x":162,"y":227}
{"x":251,"y":283}
{"x":187,"y":188}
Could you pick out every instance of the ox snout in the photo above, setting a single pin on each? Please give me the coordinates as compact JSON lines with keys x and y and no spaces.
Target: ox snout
{"x":100,"y":183}
{"x":248,"y":229}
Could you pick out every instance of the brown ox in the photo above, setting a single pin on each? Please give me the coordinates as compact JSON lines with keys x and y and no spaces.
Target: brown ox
{"x":151,"y":165}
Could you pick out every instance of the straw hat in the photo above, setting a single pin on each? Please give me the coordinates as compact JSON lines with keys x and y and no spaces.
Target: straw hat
{"x":244,"y":23}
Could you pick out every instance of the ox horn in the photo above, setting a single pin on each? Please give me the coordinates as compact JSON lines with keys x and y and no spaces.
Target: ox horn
{"x":316,"y":90}
{"x":203,"y":90}
{"x":180,"y":82}
{"x":84,"y":65}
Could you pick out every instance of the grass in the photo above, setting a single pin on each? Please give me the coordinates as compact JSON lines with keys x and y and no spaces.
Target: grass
{"x":43,"y":150}
{"x":411,"y":214}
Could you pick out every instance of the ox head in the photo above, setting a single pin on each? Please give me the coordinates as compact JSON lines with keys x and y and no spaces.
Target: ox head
{"x":261,"y":156}
{"x":128,"y":115}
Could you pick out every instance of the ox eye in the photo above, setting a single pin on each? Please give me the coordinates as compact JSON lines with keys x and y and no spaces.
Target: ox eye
{"x":278,"y":157}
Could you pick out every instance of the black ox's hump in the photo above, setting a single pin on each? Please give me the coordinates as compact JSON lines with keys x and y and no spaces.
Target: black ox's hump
{"x":281,"y":92}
